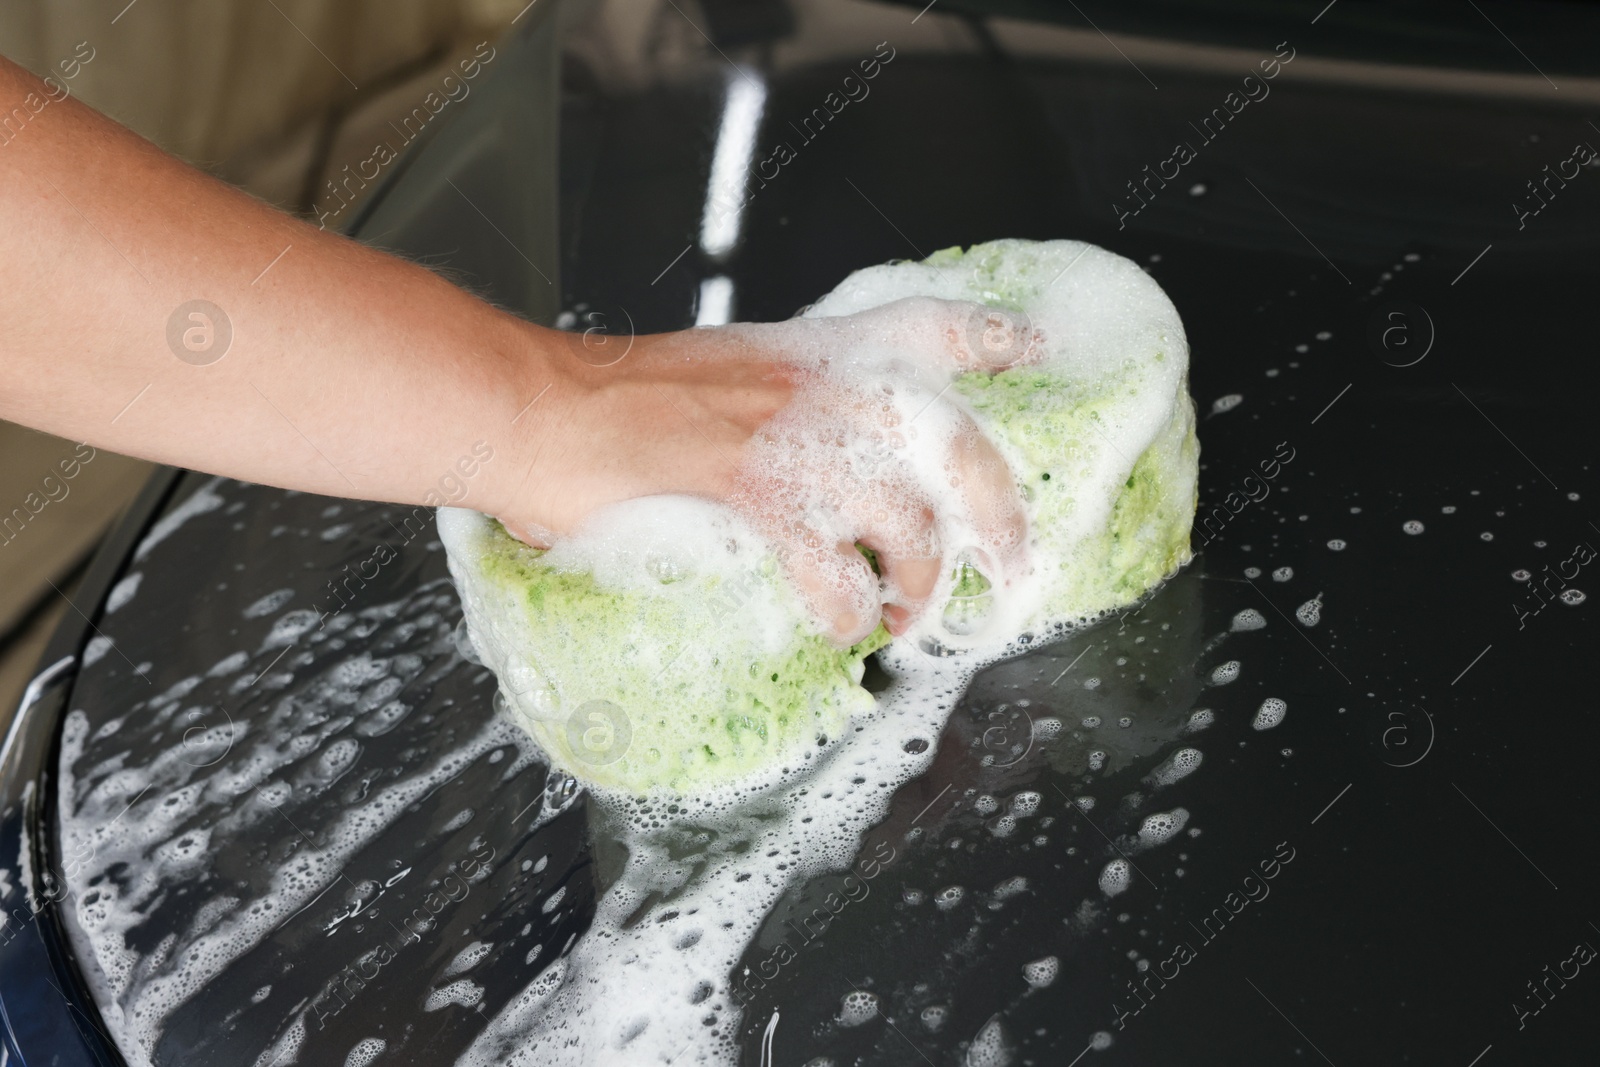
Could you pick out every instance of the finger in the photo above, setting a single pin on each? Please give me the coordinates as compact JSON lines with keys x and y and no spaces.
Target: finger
{"x":944,"y":336}
{"x":894,"y":518}
{"x":993,"y":505}
{"x":833,"y":579}
{"x":956,"y":335}
{"x":529,"y":533}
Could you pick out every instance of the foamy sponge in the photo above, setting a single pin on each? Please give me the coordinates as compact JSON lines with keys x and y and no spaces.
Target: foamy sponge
{"x":1099,"y":432}
{"x":662,"y":649}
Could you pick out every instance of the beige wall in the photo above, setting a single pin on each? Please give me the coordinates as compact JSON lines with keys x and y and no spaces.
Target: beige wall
{"x":237,"y":86}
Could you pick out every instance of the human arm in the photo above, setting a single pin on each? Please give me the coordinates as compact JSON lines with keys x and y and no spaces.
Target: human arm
{"x":354,"y":373}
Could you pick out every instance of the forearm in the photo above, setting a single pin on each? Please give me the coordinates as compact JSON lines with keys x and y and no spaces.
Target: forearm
{"x":349,"y":372}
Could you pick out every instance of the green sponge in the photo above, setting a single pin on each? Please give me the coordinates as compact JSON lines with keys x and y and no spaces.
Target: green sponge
{"x":633,"y":690}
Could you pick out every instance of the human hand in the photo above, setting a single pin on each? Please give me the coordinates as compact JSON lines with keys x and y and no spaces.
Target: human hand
{"x":822,"y":433}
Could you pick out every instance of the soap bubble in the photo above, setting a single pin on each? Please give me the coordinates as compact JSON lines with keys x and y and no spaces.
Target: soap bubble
{"x":1162,"y":826}
{"x":1179,"y":765}
{"x":1270,"y":713}
{"x":1025,"y":803}
{"x":1115,"y":877}
{"x":1310,"y":613}
{"x":990,"y":1048}
{"x":1041,"y":972}
{"x":1248,"y":619}
{"x":857,"y":1007}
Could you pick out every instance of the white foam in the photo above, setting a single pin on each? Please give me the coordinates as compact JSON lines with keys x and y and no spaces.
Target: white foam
{"x":1041,"y":972}
{"x":144,"y":819}
{"x":468,"y":958}
{"x":123,"y":591}
{"x":1115,"y":877}
{"x":200,"y":502}
{"x":620,"y":972}
{"x":1177,"y":766}
{"x":1162,"y":826}
{"x":857,"y":1007}
{"x":1248,"y":619}
{"x":366,"y":1050}
{"x":462,"y":991}
{"x":1270,"y":713}
{"x":991,"y":1047}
